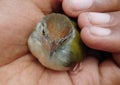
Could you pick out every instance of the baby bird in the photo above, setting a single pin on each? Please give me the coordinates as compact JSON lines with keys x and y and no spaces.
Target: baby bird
{"x":56,"y":42}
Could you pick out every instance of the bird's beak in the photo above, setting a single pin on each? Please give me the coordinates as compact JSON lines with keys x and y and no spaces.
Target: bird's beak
{"x":53,"y":47}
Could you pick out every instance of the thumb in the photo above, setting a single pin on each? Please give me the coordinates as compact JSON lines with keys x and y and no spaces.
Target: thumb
{"x":74,"y":7}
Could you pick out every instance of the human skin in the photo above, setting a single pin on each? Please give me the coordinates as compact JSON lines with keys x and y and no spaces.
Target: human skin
{"x":100,"y":23}
{"x":17,"y":65}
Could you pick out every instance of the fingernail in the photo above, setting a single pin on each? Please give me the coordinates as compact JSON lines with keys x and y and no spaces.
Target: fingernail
{"x":100,"y":31}
{"x":81,"y":4}
{"x":99,"y":18}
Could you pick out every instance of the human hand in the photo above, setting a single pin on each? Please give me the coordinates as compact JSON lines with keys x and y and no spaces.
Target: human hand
{"x":18,"y":66}
{"x":99,"y":21}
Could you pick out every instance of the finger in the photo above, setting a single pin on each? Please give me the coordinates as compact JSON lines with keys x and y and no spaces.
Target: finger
{"x":116,"y":57}
{"x":97,"y":19}
{"x":75,"y":7}
{"x":110,"y":73}
{"x":89,"y":75}
{"x":25,"y":70}
{"x":101,"y":31}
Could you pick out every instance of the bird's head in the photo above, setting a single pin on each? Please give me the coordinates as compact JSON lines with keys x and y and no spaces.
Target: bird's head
{"x":55,"y":30}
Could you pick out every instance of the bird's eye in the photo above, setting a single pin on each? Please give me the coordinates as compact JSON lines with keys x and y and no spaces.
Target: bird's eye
{"x":62,"y":41}
{"x":43,"y":32}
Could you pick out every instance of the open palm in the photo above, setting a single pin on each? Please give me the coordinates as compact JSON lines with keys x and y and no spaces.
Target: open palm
{"x":18,"y":67}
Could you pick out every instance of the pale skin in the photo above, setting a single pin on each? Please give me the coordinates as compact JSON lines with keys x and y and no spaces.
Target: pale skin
{"x":18,"y":67}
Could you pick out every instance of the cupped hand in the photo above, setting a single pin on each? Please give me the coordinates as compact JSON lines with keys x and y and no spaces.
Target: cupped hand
{"x":99,"y":21}
{"x":18,"y":67}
